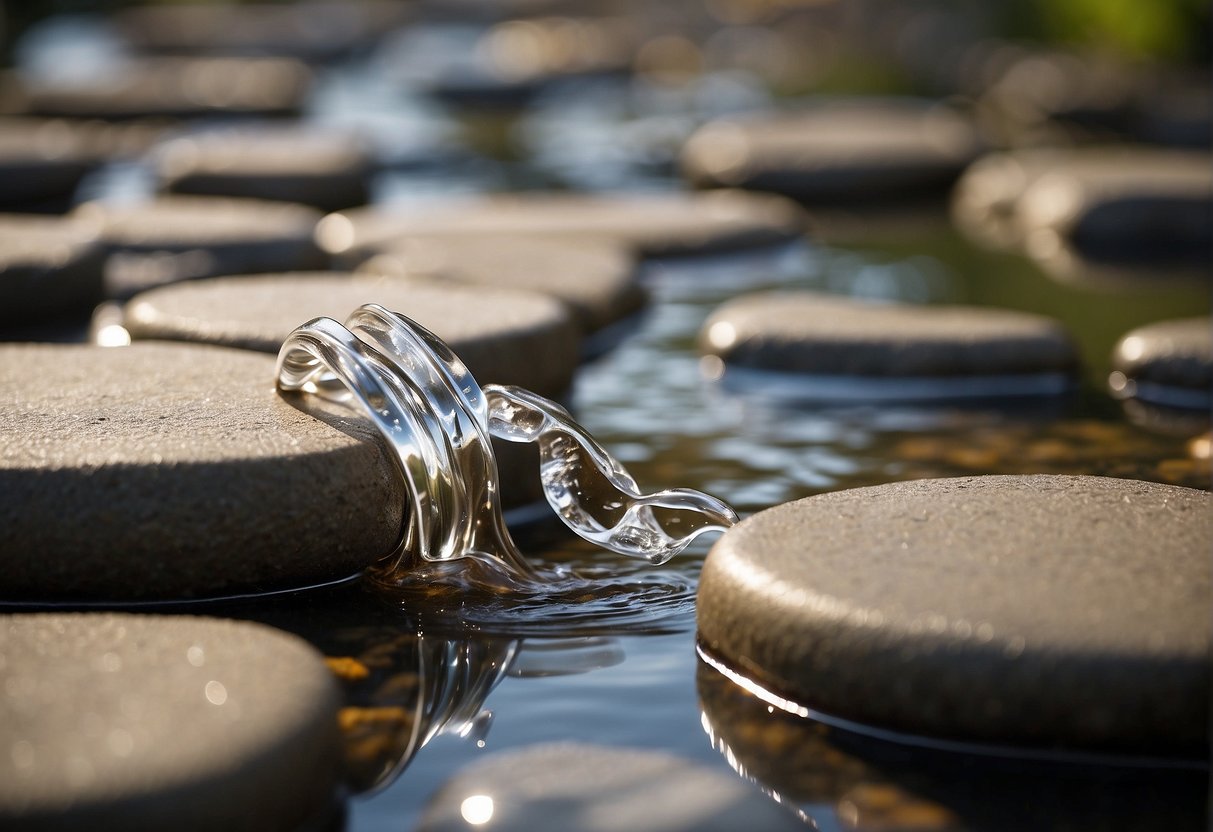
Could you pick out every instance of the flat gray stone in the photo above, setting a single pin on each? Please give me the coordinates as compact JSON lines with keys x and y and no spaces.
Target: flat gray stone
{"x":41,"y":161}
{"x":595,"y":278}
{"x":815,"y":334}
{"x":175,"y":88}
{"x":652,"y":225}
{"x":161,"y":471}
{"x":1151,"y":203}
{"x":504,"y":337}
{"x":150,"y":722}
{"x":49,"y":267}
{"x":599,"y":789}
{"x":328,"y":170}
{"x":175,"y":238}
{"x":843,"y":150}
{"x":1169,"y":362}
{"x":1025,"y":610}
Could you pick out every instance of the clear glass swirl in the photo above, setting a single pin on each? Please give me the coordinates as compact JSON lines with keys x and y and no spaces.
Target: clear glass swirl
{"x":438,"y":422}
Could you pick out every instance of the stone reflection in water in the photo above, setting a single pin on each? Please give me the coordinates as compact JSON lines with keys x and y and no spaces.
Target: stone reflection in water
{"x":839,"y":778}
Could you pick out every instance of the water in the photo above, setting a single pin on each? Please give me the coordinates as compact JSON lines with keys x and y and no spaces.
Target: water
{"x":441,"y":671}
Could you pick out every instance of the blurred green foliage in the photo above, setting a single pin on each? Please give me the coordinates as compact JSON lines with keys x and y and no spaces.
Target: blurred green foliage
{"x":1165,"y":29}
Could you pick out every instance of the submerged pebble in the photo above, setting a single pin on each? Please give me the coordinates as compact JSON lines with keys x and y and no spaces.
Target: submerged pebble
{"x":598,"y":788}
{"x":163,"y":471}
{"x":1169,"y":363}
{"x":1033,"y":611}
{"x":143,"y":722}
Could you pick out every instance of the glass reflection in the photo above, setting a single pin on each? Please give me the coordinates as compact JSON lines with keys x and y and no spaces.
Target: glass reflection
{"x":840,"y":778}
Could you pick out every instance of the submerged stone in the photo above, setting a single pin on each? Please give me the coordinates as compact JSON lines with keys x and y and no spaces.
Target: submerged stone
{"x":848,"y":150}
{"x":49,"y":268}
{"x":965,"y":350}
{"x":596,"y":788}
{"x":175,"y":238}
{"x":162,"y":471}
{"x":145,"y":722}
{"x":327,"y":170}
{"x":651,"y":225}
{"x":596,"y":279}
{"x":1039,"y":611}
{"x":1169,"y":363}
{"x":504,"y":337}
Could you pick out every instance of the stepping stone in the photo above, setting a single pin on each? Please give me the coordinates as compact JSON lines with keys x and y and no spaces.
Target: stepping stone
{"x":314,"y":30}
{"x":1155,"y":206}
{"x":175,"y":88}
{"x":146,"y":722}
{"x":828,"y":347}
{"x":596,"y":789}
{"x":49,"y":268}
{"x":847,"y":150}
{"x":1169,"y":363}
{"x":175,"y":238}
{"x":596,"y":279}
{"x":327,"y":170}
{"x":1045,"y":611}
{"x":41,"y":162}
{"x":652,"y":225}
{"x":145,"y":473}
{"x":504,"y":337}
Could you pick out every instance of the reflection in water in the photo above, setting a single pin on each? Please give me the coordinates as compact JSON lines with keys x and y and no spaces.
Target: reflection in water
{"x":864,"y":783}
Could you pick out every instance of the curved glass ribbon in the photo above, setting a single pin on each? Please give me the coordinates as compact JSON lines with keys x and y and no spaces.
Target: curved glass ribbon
{"x":437,"y":421}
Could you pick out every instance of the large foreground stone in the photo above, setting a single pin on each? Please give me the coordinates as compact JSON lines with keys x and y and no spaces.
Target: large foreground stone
{"x":150,"y":723}
{"x":1168,"y":363}
{"x":817,"y":335}
{"x":504,"y":337}
{"x":173,"y":471}
{"x":1035,"y":610}
{"x":185,"y":237}
{"x":597,"y":279}
{"x":841,"y":151}
{"x":652,"y":225}
{"x":599,"y":789}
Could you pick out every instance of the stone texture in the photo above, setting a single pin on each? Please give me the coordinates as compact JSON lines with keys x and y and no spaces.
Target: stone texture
{"x":1026,"y":610}
{"x":596,"y":788}
{"x":596,"y":279}
{"x":652,"y":225}
{"x":176,"y":88}
{"x":328,"y":170}
{"x":808,"y":332}
{"x":49,"y":267}
{"x":161,"y":471}
{"x":1171,"y":354}
{"x":844,"y":150}
{"x":176,"y":238}
{"x":504,"y":337}
{"x":148,"y":722}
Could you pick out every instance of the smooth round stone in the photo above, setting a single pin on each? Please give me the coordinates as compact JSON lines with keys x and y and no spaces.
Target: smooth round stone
{"x":162,"y":471}
{"x":155,"y":722}
{"x":176,"y":88}
{"x":1142,"y":203}
{"x":324,"y":169}
{"x":504,"y":337}
{"x":595,"y":278}
{"x":598,"y":788}
{"x":1023,"y":610}
{"x":816,"y":336}
{"x":49,"y":267}
{"x":844,"y":150}
{"x":175,"y":238}
{"x":652,"y":225}
{"x":1168,"y":363}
